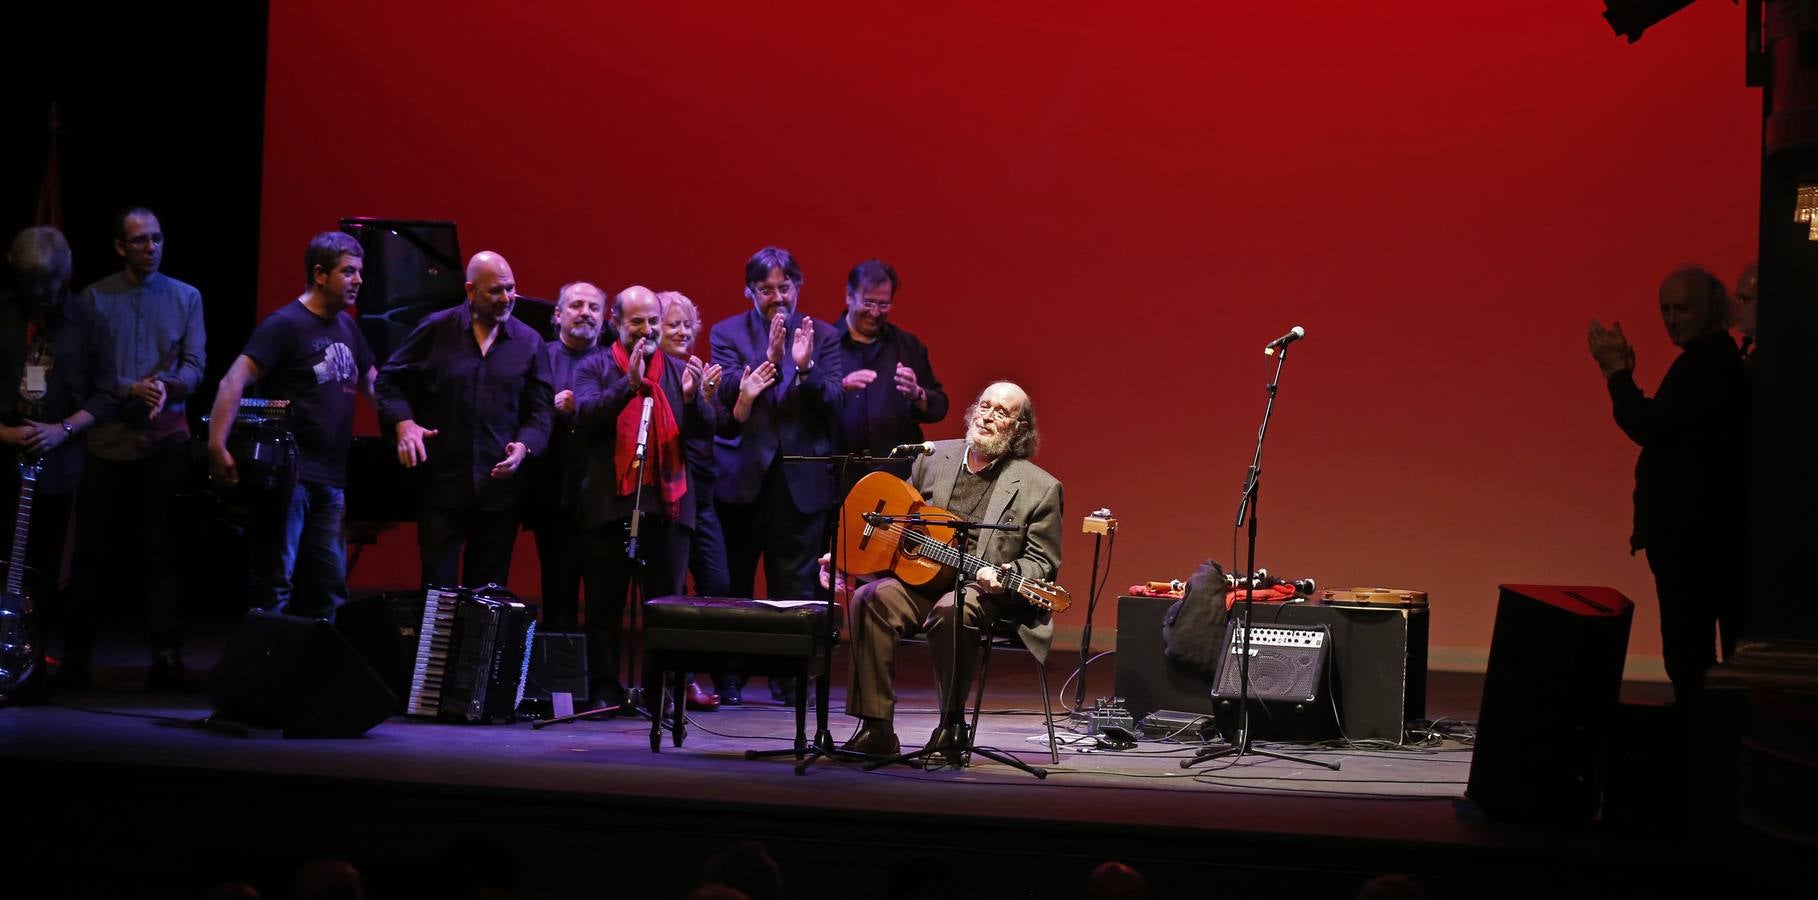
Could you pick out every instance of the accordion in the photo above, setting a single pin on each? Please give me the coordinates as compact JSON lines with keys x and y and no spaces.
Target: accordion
{"x":473,"y":653}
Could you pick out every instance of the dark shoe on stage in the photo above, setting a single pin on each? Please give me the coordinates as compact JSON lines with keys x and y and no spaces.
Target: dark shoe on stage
{"x":166,"y":673}
{"x":730,"y":688}
{"x":942,"y":742}
{"x":701,"y":701}
{"x":874,"y":738}
{"x":601,"y":694}
{"x":782,"y":689}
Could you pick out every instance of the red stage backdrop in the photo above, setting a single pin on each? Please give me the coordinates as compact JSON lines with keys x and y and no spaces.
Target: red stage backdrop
{"x":1117,"y":206}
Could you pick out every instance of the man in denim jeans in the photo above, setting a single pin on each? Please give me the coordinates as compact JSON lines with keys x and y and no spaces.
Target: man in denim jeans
{"x":311,"y":353}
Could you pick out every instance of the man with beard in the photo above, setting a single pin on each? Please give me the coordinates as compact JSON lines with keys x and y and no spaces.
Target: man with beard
{"x":985,"y":478}
{"x":1690,"y":480}
{"x":787,"y":403}
{"x":41,"y":364}
{"x":555,"y":475}
{"x":143,"y":334}
{"x":311,"y":353}
{"x":612,"y":390}
{"x":890,"y":386}
{"x":467,"y":395}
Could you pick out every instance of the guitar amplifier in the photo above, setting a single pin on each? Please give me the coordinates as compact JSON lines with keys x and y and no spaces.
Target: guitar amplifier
{"x":1289,"y":686}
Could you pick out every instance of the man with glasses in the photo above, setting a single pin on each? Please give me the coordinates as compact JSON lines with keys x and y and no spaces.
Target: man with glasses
{"x":987,"y":477}
{"x":142,"y":335}
{"x":468,"y":397}
{"x":785,"y":398}
{"x":890,"y":389}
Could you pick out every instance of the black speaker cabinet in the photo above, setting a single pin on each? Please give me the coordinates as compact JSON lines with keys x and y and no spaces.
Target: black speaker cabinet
{"x":558,"y":664}
{"x":383,"y":629}
{"x":299,"y":675}
{"x":1378,"y":663}
{"x":1554,"y":678}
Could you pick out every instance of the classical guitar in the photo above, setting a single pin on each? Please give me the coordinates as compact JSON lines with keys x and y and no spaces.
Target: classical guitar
{"x":918,"y":553}
{"x":19,"y":658}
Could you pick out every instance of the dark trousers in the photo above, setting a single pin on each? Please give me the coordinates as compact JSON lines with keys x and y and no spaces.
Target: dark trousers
{"x":789,"y":540}
{"x":470,"y":544}
{"x":885,"y":611}
{"x":127,"y":504}
{"x":561,"y":554}
{"x":706,"y":556}
{"x":1697,"y":611}
{"x":609,"y":572}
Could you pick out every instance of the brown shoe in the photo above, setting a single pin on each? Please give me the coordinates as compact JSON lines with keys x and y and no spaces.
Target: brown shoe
{"x":874,"y":738}
{"x":701,"y":701}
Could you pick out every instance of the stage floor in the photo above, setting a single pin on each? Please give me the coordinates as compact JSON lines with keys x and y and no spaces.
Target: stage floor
{"x":572,"y":803}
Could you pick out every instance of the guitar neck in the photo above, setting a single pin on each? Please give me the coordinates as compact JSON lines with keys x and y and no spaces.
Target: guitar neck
{"x":22,"y":528}
{"x":952,"y":557}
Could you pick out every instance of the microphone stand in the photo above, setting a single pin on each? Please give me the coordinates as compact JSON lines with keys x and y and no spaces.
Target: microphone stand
{"x":960,"y":747}
{"x":822,"y":745}
{"x":634,"y":592}
{"x":1246,"y":507}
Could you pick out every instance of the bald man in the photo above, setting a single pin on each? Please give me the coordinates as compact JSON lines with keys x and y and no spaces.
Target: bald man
{"x":1690,"y":480}
{"x":468,"y":398}
{"x":612,"y":390}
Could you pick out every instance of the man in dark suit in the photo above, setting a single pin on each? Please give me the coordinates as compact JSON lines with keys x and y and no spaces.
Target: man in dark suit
{"x":611,"y":390}
{"x":787,"y":403}
{"x":987,"y":477}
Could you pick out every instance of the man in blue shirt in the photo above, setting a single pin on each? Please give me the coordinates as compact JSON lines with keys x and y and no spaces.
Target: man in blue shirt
{"x":142,"y":335}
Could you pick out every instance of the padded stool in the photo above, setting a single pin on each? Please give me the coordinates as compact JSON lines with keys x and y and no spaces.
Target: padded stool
{"x":706,"y":634}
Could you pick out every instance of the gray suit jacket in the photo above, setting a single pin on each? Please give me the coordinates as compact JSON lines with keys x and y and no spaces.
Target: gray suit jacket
{"x":1025,"y":494}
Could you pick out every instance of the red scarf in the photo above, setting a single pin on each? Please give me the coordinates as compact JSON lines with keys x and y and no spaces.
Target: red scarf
{"x":665,"y":467}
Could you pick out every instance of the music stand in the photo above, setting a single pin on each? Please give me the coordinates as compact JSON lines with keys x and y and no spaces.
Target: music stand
{"x":960,"y":747}
{"x":1247,"y":506}
{"x":822,"y":745}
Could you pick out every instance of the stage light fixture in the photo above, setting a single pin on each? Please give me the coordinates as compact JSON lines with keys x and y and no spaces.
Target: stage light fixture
{"x":1630,"y":18}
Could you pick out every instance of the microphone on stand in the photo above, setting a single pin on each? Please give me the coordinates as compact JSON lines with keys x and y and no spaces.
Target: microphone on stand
{"x":644,"y":429}
{"x":925,"y":448}
{"x":1294,"y":334}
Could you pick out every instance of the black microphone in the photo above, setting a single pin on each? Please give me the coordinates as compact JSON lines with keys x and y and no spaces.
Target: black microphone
{"x":1294,"y":334}
{"x":925,"y":448}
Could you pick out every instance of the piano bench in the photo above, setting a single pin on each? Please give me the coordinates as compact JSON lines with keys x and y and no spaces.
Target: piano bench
{"x":756,"y":637}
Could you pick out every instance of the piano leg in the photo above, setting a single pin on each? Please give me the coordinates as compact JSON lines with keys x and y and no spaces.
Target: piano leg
{"x":680,"y":705}
{"x":656,"y":714}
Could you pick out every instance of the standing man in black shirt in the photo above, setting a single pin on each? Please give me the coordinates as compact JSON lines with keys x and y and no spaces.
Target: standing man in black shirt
{"x":889,"y":385}
{"x":41,"y":364}
{"x":555,"y":475}
{"x":467,"y":395}
{"x":1690,"y":480}
{"x":311,"y":353}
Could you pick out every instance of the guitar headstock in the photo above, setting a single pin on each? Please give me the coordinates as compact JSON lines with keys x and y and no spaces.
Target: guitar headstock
{"x":1043,"y":595}
{"x":29,"y":467}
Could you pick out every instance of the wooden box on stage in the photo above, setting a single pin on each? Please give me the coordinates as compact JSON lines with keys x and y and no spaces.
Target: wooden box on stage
{"x":1378,"y":662}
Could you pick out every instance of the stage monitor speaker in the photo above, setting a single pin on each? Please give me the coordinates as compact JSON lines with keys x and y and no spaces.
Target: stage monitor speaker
{"x":1554,"y":678}
{"x":1289,"y":688}
{"x":558,"y":664}
{"x":383,"y":629}
{"x":298,"y":675}
{"x":1146,"y":679}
